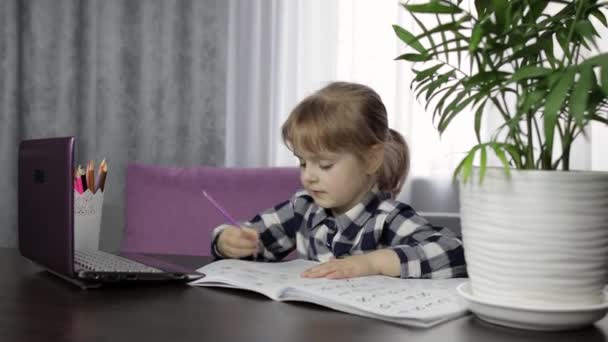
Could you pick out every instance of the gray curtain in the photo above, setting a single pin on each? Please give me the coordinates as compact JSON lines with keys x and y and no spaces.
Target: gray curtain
{"x":133,"y":80}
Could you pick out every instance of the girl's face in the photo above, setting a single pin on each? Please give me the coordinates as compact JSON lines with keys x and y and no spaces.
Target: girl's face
{"x":336,"y":181}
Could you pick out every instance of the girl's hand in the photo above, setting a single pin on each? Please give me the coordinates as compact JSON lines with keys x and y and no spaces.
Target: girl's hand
{"x":236,"y":242}
{"x":385,"y":262}
{"x":353,"y":266}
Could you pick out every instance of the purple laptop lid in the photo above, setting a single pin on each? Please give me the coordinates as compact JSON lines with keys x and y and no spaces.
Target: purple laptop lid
{"x":46,"y":203}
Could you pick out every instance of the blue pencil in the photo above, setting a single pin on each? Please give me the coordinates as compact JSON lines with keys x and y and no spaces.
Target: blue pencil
{"x":221,"y":210}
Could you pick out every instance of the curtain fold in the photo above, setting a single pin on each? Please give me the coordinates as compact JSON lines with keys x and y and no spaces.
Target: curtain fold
{"x":133,"y":80}
{"x":278,"y":52}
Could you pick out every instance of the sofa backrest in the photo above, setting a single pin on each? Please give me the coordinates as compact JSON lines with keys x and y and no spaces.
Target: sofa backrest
{"x":166,"y":212}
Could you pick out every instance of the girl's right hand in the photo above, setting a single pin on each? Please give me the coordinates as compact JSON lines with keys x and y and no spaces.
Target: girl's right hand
{"x":236,"y":242}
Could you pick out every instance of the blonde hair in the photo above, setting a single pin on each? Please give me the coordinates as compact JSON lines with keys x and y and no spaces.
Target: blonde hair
{"x":348,"y":117}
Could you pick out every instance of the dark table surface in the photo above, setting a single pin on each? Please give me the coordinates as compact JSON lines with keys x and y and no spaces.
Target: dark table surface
{"x":37,"y":306}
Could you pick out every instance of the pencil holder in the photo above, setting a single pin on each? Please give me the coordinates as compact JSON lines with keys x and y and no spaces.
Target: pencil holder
{"x":87,"y":219}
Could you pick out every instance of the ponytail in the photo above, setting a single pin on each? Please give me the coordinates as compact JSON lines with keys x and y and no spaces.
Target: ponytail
{"x":395,"y":167}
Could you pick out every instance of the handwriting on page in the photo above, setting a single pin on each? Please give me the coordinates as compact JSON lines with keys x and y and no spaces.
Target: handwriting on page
{"x":419,"y":299}
{"x":389,"y":296}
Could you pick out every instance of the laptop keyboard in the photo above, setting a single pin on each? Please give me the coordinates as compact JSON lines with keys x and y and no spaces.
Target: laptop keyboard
{"x":105,"y":262}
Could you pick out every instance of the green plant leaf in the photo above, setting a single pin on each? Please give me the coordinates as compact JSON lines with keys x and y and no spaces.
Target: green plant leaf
{"x":562,"y":39}
{"x":585,"y":29}
{"x":467,"y":166}
{"x":478,"y":115}
{"x":600,"y":16}
{"x":580,"y":94}
{"x":428,"y":36}
{"x":532,"y":100}
{"x":526,"y":51}
{"x":501,"y":14}
{"x":444,"y":39}
{"x":485,"y":77}
{"x":536,"y":8}
{"x":445,"y":113}
{"x":409,"y":39}
{"x":482,"y":7}
{"x":458,"y":49}
{"x":553,"y":104}
{"x":547,"y":44}
{"x":454,"y":109}
{"x":529,"y":72}
{"x":414,"y":57}
{"x":421,"y":83}
{"x":459,"y":168}
{"x":601,"y":59}
{"x":604,"y":77}
{"x":451,"y":26}
{"x":515,"y":155}
{"x":423,"y":89}
{"x":503,"y":158}
{"x":438,"y":92}
{"x":444,"y":47}
{"x":483,"y":164}
{"x":433,"y":7}
{"x":458,"y":46}
{"x":442,"y":79}
{"x":427,"y":72}
{"x":441,"y":102}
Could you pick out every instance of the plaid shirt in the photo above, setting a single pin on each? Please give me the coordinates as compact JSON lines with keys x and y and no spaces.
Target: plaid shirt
{"x":425,"y":251}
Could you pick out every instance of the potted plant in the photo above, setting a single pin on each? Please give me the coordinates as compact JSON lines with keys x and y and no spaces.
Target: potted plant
{"x":535,"y":233}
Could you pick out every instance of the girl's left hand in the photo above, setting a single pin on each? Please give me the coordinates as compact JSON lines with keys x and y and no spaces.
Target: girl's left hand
{"x":352,"y":266}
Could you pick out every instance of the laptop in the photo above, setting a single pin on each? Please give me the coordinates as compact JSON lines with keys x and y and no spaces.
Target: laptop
{"x":46,"y":224}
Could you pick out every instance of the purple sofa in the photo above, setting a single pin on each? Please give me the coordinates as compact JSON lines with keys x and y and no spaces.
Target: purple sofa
{"x":166,"y":212}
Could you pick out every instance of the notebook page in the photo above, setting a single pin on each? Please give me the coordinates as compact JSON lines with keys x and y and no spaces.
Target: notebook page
{"x":386,"y":297}
{"x":416,"y":302}
{"x":269,"y":279}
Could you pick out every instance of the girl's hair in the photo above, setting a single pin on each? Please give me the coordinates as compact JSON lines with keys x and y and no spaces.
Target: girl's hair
{"x":348,"y":117}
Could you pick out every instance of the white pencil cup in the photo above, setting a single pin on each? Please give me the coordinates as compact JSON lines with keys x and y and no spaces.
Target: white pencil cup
{"x":87,"y":219}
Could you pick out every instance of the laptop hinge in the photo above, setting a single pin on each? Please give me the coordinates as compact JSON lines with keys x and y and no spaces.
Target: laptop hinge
{"x":83,"y":284}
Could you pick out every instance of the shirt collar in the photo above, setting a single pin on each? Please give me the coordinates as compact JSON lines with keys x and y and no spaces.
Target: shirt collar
{"x":357,"y":215}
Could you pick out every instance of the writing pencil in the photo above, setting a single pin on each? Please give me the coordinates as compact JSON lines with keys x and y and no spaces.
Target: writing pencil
{"x":221,"y":210}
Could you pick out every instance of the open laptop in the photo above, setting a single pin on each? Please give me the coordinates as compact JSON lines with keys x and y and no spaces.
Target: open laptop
{"x":46,"y":224}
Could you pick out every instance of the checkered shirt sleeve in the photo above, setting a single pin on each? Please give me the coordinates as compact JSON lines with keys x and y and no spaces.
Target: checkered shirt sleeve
{"x":277,"y":227}
{"x":425,"y":251}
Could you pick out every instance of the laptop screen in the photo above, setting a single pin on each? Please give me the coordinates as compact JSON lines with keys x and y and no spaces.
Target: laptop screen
{"x":46,"y":202}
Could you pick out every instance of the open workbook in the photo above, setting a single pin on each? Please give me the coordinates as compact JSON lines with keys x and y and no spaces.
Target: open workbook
{"x":413,"y":302}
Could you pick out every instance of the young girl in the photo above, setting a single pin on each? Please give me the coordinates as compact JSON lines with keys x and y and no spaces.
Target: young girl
{"x":352,"y":166}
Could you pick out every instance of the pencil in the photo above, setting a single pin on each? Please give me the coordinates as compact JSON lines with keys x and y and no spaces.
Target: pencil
{"x":83,"y":178}
{"x":99,"y":172}
{"x":103,"y":171}
{"x":91,"y":175}
{"x":221,"y":210}
{"x":77,"y":185}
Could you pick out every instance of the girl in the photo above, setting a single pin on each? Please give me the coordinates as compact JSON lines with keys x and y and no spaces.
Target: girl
{"x":352,"y":167}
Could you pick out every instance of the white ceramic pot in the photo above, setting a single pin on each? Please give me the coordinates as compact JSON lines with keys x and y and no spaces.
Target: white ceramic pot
{"x":538,"y":238}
